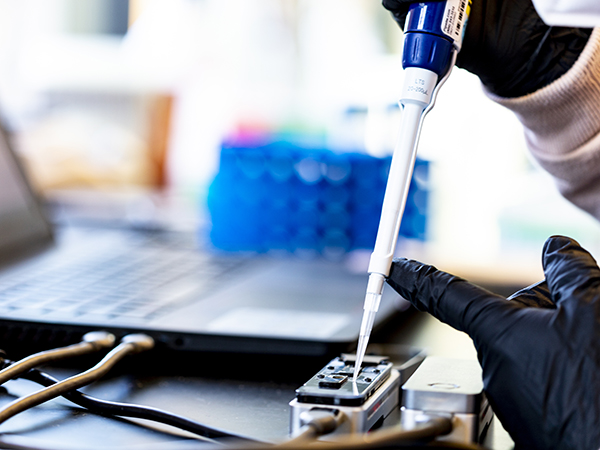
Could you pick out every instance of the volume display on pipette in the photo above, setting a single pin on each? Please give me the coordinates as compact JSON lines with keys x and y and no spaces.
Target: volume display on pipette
{"x":432,"y":39}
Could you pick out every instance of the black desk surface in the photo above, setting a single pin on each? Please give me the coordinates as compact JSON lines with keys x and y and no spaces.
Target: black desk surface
{"x":249,"y":402}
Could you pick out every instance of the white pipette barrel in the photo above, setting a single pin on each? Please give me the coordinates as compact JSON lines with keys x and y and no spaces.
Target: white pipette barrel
{"x":417,"y":94}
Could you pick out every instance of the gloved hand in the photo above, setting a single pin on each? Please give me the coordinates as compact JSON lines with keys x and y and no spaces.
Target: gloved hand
{"x":509,"y":47}
{"x":541,"y":365}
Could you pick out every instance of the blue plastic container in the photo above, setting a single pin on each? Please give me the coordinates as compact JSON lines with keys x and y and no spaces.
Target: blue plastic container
{"x":277,"y":195}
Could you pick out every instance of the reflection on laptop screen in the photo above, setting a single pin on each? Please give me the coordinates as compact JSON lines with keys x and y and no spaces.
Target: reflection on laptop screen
{"x":20,"y":217}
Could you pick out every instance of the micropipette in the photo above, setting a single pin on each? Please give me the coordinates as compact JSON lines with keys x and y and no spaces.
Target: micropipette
{"x":432,"y":39}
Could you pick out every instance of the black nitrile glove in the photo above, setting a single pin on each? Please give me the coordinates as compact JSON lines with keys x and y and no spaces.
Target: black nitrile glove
{"x":509,"y":47}
{"x":541,"y":366}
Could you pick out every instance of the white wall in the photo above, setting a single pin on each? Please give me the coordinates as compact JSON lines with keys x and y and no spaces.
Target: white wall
{"x":302,"y":63}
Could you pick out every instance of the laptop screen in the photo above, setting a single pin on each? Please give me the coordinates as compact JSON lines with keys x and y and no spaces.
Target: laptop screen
{"x":21,"y":220}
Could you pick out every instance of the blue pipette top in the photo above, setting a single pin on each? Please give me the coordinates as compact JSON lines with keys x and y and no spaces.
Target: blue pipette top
{"x":425,"y":44}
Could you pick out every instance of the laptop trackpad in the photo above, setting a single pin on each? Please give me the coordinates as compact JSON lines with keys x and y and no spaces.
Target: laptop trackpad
{"x":272,"y":322}
{"x":314,"y":300}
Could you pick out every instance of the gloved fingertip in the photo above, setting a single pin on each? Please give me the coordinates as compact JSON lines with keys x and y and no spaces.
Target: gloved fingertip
{"x":403,"y":276}
{"x":419,"y":283}
{"x":405,"y":261}
{"x":404,"y":266}
{"x":569,"y":268}
{"x":558,"y":242}
{"x":558,"y":249}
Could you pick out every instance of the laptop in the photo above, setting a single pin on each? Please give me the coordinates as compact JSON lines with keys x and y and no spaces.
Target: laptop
{"x":57,"y":283}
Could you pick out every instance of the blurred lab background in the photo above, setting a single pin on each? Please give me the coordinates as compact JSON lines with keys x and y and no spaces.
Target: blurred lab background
{"x":266,"y":126}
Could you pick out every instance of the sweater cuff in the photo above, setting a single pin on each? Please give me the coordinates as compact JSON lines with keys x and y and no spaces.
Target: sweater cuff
{"x":562,"y":127}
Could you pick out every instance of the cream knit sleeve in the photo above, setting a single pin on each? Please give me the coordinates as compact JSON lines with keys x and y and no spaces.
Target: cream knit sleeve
{"x":562,"y":127}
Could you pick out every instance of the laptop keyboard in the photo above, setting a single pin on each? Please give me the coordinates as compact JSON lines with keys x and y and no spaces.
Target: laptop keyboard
{"x":138,"y":279}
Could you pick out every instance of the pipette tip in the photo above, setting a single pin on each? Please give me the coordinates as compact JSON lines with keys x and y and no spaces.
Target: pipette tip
{"x":360,"y":354}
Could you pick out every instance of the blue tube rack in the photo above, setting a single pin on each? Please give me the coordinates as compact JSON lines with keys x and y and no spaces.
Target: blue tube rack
{"x":279,"y":195}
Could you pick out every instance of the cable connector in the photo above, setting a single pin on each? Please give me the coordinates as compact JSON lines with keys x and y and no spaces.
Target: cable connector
{"x":323,"y":420}
{"x":99,"y":339}
{"x":140,"y":342}
{"x":312,"y":424}
{"x":90,"y":343}
{"x":133,"y":343}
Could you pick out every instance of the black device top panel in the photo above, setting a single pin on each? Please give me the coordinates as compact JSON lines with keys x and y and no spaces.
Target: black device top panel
{"x":335,"y":384}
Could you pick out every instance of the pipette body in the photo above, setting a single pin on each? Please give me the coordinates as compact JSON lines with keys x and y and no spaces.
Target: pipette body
{"x":433,"y":36}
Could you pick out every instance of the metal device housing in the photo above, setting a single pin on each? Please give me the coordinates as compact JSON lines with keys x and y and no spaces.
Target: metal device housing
{"x":365,"y":403}
{"x":452,"y":388}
